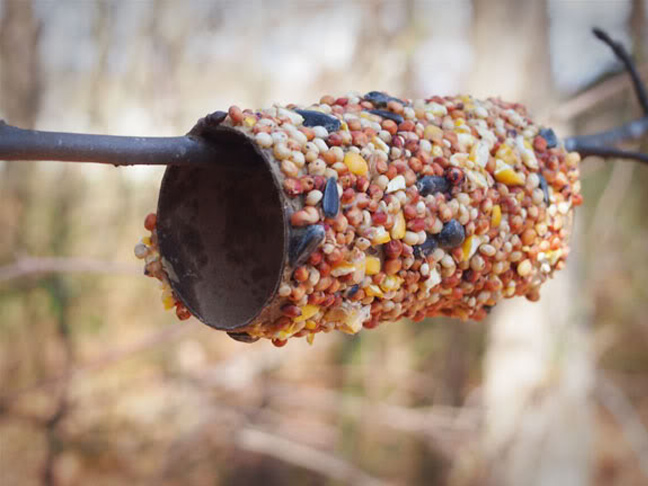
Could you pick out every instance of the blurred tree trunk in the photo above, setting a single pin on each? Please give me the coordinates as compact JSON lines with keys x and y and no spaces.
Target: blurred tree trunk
{"x":538,"y":368}
{"x":19,"y":100}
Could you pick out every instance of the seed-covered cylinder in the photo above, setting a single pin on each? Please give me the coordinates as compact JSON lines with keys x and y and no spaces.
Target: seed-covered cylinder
{"x":364,"y":209}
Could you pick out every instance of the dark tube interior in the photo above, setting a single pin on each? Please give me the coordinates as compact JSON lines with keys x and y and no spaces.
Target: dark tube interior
{"x":221,"y":234}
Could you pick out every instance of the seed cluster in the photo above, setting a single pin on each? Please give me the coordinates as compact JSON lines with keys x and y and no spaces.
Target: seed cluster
{"x":433,"y":207}
{"x":147,"y":250}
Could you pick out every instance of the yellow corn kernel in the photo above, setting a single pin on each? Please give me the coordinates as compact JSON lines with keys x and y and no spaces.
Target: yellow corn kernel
{"x":399,"y":228}
{"x":431,"y":132}
{"x":308,"y":311}
{"x":507,"y":154}
{"x":147,"y":240}
{"x":505,"y":174}
{"x":249,"y":121}
{"x":381,"y":237}
{"x":168,"y":301}
{"x":373,"y":291}
{"x":310,"y":325}
{"x":379,"y":144}
{"x":496,"y":216}
{"x":310,"y":338}
{"x":509,"y":177}
{"x":343,"y":268}
{"x":437,"y":151}
{"x":390,"y":283}
{"x":372,"y":265}
{"x":356,"y":164}
{"x":470,"y":246}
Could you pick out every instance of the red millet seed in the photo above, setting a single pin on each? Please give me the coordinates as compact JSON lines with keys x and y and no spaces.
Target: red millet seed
{"x":150,"y":221}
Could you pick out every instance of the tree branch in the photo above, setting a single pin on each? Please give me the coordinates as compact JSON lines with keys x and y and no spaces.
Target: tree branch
{"x":26,"y":266}
{"x":601,"y":144}
{"x":329,"y":466}
{"x":20,"y":144}
{"x":624,"y":57}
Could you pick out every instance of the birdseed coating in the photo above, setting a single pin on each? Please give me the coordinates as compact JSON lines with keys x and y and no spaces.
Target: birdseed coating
{"x":405,"y":209}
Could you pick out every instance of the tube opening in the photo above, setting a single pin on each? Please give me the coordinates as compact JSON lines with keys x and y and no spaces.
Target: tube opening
{"x":221,"y":232}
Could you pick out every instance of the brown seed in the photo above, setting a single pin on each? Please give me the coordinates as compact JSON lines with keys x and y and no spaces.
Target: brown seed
{"x":297,"y":293}
{"x":354,"y":216}
{"x":304,"y":217}
{"x":415,"y":164}
{"x":329,"y":157}
{"x":308,"y":183}
{"x":316,"y":298}
{"x":392,"y":267}
{"x":301,"y":274}
{"x":390,"y":126}
{"x":324,"y":269}
{"x":150,"y":221}
{"x":409,"y":211}
{"x":340,"y":223}
{"x":362,"y":184}
{"x":315,"y":258}
{"x":335,"y":286}
{"x":291,"y":311}
{"x":182,"y":312}
{"x":362,"y":200}
{"x":334,"y":257}
{"x":379,"y":217}
{"x":292,"y":186}
{"x":347,"y":196}
{"x":324,"y":283}
{"x":393,"y":248}
{"x":528,"y":236}
{"x":327,"y":100}
{"x":235,"y":114}
{"x":328,"y":301}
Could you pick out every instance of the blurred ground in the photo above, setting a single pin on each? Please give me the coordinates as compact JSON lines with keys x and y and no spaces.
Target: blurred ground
{"x":98,"y":385}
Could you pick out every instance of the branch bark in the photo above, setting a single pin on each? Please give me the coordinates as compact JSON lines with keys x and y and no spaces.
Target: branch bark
{"x":20,"y":144}
{"x":601,"y":144}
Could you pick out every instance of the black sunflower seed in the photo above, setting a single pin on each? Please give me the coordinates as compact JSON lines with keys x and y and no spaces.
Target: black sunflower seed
{"x":545,"y":188}
{"x":452,"y":235}
{"x":379,"y":98}
{"x":319,"y":119}
{"x":304,"y":242}
{"x":549,"y":135}
{"x":431,"y":244}
{"x":243,"y":337}
{"x":331,"y":199}
{"x":432,"y":184}
{"x":352,"y":291}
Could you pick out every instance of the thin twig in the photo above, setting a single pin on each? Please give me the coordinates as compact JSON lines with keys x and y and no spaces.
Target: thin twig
{"x":622,"y":54}
{"x":110,"y":357}
{"x":29,"y":266}
{"x":601,"y":144}
{"x":326,"y":464}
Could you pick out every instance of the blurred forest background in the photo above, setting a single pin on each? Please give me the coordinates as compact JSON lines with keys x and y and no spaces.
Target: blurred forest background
{"x":99,"y":385}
